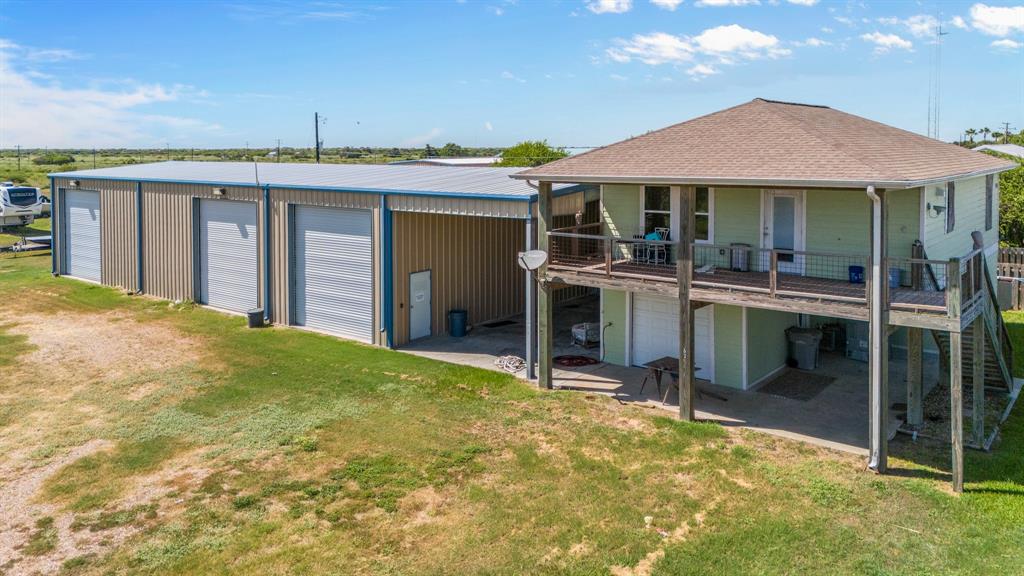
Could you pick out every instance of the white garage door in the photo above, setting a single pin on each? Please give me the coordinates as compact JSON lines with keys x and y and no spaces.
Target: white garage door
{"x":228,"y":255}
{"x":82,"y":225}
{"x":333,"y":271}
{"x":656,"y":332}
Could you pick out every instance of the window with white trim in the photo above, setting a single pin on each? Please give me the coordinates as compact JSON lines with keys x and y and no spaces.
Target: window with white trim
{"x":657,"y":208}
{"x":990,"y":186}
{"x":702,"y":215}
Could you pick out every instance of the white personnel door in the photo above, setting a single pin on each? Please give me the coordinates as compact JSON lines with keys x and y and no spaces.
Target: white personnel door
{"x":419,"y":304}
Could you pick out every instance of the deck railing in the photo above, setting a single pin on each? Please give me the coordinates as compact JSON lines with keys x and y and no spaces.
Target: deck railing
{"x":916,"y":284}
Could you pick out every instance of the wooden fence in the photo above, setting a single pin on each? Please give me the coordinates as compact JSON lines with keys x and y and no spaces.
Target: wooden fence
{"x":1011,"y":277}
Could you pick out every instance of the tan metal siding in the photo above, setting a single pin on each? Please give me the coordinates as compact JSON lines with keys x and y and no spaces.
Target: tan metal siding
{"x":167,"y":252}
{"x":473,"y":265}
{"x":117,"y":230}
{"x":280,"y":241}
{"x":460,"y":206}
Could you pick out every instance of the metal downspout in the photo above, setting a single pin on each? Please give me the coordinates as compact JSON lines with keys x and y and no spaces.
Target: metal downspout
{"x":266,"y":253}
{"x":530,"y":302}
{"x":876,"y":330}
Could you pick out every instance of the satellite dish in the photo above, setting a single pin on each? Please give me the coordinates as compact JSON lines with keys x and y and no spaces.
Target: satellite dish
{"x":532,"y":259}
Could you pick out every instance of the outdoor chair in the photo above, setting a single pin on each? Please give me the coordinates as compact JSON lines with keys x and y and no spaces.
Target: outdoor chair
{"x":658,"y":253}
{"x":639,"y":249}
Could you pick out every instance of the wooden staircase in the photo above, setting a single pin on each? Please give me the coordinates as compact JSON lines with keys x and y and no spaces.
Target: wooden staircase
{"x":996,"y":373}
{"x":998,"y":346}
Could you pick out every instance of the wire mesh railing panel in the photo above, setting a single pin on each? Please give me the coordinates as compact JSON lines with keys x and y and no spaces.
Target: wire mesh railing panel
{"x":575,"y":251}
{"x":828,"y":276}
{"x":917,"y":284}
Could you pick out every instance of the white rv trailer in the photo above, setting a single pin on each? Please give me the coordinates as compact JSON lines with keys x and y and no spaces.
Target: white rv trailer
{"x":19,"y":205}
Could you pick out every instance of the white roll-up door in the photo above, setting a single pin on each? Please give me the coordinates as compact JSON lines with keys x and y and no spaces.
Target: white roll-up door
{"x":656,"y":333}
{"x":332,"y":271}
{"x":83,"y":250}
{"x":228,"y":255}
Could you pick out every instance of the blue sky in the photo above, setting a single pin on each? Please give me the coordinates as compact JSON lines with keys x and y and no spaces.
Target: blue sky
{"x":577,"y":73}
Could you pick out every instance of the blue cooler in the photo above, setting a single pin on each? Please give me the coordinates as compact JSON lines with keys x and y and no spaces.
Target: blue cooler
{"x":856,"y":274}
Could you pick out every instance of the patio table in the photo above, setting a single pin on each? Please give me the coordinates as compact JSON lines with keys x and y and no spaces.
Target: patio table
{"x":670,"y":364}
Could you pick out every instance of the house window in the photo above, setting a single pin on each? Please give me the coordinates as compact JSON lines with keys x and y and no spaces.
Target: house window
{"x":990,"y":185}
{"x":950,"y":206}
{"x":658,"y":211}
{"x":657,"y":208}
{"x":702,"y":215}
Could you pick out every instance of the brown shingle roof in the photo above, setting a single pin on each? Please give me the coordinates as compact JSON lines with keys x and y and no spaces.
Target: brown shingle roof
{"x":765,"y":142}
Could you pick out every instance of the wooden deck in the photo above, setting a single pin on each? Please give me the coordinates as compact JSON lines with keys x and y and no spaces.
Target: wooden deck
{"x":806,"y":294}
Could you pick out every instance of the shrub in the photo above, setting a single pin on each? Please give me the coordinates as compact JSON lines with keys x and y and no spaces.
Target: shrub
{"x":54,"y":158}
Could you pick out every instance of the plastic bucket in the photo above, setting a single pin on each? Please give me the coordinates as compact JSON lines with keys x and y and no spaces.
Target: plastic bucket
{"x":457,"y":320}
{"x":856,"y":274}
{"x":255,"y":317}
{"x":894,"y":277}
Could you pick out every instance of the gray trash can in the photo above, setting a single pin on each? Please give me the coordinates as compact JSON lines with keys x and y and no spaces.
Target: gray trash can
{"x":739,"y":257}
{"x":803,"y":346}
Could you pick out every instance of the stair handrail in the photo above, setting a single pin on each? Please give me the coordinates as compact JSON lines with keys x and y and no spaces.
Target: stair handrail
{"x":1004,"y":335}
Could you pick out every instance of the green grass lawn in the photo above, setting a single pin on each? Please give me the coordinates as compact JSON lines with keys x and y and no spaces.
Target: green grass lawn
{"x":171,"y":439}
{"x":11,"y":234}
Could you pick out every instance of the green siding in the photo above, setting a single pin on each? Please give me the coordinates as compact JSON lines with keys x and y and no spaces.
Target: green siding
{"x":620,"y":211}
{"x":970,"y":217}
{"x":613,"y":311}
{"x":904,"y":221}
{"x":737,"y":216}
{"x":766,"y":341}
{"x":728,"y":346}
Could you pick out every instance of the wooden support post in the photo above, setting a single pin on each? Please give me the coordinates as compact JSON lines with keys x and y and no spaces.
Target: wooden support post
{"x":684,"y":276}
{"x":978,"y":380}
{"x":878,"y":352}
{"x":956,"y":401}
{"x":545,"y":320}
{"x":915,"y":376}
{"x":773,"y":273}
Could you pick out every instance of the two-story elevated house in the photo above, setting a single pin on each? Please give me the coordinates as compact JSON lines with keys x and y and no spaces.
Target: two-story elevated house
{"x":716,"y":234}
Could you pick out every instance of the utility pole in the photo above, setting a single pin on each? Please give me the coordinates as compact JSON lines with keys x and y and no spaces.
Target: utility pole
{"x":19,"y":156}
{"x":1006,"y":132}
{"x":316,"y":134}
{"x":278,"y":149}
{"x":94,"y":158}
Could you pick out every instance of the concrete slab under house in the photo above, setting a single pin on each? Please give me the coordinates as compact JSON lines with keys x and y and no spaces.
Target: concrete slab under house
{"x":700,"y":244}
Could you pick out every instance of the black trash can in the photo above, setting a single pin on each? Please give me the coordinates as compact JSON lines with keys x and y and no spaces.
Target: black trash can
{"x":457,"y":320}
{"x":255,"y":317}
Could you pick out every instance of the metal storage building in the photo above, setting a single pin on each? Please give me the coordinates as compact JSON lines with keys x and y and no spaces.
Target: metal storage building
{"x":350,"y":250}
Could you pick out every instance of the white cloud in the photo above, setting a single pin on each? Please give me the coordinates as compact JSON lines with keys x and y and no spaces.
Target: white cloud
{"x":667,"y":4}
{"x":958,"y":22}
{"x":415,"y":141}
{"x":919,"y":25}
{"x":488,"y":126}
{"x":1007,"y":45}
{"x":496,"y":10}
{"x":717,"y":3}
{"x":885,"y":42}
{"x":655,"y":48}
{"x":722,"y":45}
{"x":725,"y":41}
{"x":701,"y":71}
{"x":827,"y":30}
{"x":618,"y":77}
{"x":510,"y":76}
{"x":38,"y":114}
{"x":609,"y":6}
{"x":813,"y":42}
{"x":804,"y":2}
{"x":997,"y":20}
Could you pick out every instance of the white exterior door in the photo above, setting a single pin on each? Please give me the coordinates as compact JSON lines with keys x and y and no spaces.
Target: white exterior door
{"x":655,"y":333}
{"x":783,"y":227}
{"x":83,"y":250}
{"x":228,"y":255}
{"x":419,"y":304}
{"x":333,"y":271}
